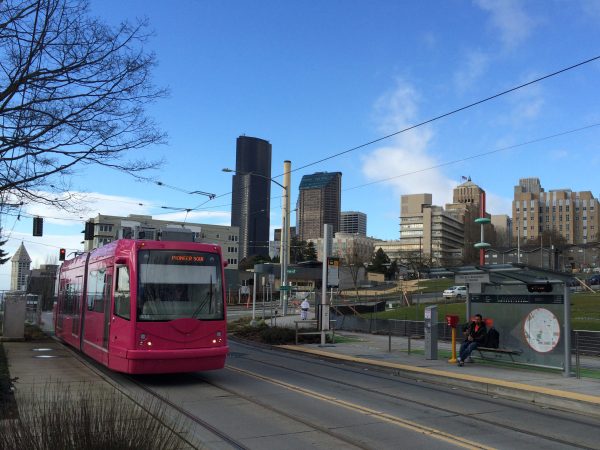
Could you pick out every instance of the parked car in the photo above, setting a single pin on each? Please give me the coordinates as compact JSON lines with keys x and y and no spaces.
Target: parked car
{"x":455,"y":292}
{"x":594,"y":279}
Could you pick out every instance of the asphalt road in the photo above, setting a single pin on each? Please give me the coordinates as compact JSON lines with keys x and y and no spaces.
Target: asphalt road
{"x":270,"y":399}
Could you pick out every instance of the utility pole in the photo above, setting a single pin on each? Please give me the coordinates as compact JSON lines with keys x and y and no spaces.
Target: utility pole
{"x":284,"y":251}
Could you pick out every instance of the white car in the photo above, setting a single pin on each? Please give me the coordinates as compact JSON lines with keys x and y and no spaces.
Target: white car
{"x":455,"y":292}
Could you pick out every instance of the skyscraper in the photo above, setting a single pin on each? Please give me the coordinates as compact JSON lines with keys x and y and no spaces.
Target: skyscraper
{"x":251,"y":195}
{"x":354,"y":222}
{"x":319,"y":203}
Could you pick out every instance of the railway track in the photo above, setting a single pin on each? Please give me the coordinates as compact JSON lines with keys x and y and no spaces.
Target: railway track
{"x":317,"y":369}
{"x":543,"y":414}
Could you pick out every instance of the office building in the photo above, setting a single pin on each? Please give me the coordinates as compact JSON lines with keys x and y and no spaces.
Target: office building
{"x":503,"y":226}
{"x":109,"y":228}
{"x":466,"y":207}
{"x":275,"y":244}
{"x":353,"y":222}
{"x":428,"y":234}
{"x":251,"y":195}
{"x":21,"y":264}
{"x":350,"y":248}
{"x":319,"y":203}
{"x":572,"y":215}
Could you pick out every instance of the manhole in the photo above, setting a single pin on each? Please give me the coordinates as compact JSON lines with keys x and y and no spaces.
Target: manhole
{"x":42,"y":349}
{"x":45,"y":356}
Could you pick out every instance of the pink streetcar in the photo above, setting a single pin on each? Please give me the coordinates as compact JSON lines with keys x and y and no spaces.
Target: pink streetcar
{"x":144,"y":307}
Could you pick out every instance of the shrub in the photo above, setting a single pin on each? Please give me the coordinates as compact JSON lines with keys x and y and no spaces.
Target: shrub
{"x":277,"y":335}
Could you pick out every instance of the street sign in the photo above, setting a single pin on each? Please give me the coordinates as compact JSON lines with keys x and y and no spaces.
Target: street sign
{"x":472,"y":278}
{"x":291,"y":271}
{"x":285,"y":288}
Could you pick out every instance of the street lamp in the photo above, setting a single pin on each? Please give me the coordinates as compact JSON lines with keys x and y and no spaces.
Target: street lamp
{"x":284,"y":250}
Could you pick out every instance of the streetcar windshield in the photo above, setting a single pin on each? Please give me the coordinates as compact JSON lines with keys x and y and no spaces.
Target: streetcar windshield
{"x":179,"y":284}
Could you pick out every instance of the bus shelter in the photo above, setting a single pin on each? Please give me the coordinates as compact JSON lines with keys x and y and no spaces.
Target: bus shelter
{"x":528,"y":306}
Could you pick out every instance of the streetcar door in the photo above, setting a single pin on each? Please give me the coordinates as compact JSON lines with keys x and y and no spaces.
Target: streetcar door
{"x":106,"y":296}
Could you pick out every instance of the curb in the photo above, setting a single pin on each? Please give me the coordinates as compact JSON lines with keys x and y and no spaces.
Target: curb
{"x":584,"y":404}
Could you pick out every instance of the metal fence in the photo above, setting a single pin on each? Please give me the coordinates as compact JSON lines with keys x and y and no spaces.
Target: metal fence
{"x":584,"y":342}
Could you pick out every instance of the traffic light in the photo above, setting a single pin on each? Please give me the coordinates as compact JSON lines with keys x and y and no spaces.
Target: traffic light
{"x":89,"y":231}
{"x":38,"y":226}
{"x":61,"y":254}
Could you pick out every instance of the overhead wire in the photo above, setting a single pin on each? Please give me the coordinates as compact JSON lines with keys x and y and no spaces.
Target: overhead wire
{"x":449,"y":113}
{"x":479,"y":155}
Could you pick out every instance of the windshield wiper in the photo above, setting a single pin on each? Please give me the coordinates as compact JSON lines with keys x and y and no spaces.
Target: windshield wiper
{"x":207,"y":297}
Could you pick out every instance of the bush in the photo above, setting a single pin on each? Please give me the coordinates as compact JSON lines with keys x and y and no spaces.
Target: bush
{"x":57,"y":418}
{"x":265,"y":334}
{"x":278,"y":336}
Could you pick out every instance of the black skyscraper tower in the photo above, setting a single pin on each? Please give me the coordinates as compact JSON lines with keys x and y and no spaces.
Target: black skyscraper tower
{"x":251,"y":195}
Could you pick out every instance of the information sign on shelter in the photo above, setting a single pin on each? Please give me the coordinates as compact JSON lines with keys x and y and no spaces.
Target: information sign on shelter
{"x":472,"y":278}
{"x":333,"y":272}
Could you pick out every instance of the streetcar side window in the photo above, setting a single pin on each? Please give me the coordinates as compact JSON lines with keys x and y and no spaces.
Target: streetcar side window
{"x":96,"y":287}
{"x":122,"y":294}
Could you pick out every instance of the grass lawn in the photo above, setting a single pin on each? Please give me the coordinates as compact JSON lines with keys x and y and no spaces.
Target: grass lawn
{"x":585,"y":311}
{"x":435,"y":285}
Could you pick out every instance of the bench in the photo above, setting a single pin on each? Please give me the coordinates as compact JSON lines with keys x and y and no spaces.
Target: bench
{"x":489,"y":323}
{"x":502,"y":351}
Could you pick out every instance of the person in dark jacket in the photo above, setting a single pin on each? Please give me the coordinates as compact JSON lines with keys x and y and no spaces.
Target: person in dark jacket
{"x":475,"y":334}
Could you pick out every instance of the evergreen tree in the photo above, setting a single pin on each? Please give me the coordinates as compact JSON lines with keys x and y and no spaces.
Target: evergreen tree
{"x":380,"y":262}
{"x":311,"y":252}
{"x":4,"y":258}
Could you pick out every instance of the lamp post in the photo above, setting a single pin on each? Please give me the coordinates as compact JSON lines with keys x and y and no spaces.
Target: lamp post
{"x":285,"y":228}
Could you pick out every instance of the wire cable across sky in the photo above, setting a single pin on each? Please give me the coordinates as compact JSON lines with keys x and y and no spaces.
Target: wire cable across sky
{"x":441,"y":116}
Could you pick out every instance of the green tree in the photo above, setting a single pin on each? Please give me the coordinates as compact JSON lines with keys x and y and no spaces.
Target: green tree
{"x":4,"y":257}
{"x":380,"y":262}
{"x":311,"y":252}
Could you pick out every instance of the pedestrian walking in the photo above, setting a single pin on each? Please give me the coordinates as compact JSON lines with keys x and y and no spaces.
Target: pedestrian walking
{"x":304,"y":307}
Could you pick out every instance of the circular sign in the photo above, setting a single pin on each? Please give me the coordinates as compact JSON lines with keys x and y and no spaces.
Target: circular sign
{"x":542,"y":330}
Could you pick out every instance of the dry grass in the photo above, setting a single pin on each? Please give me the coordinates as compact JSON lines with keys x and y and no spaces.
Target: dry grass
{"x":59,"y":418}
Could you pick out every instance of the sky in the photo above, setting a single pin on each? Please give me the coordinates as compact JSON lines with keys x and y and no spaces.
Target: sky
{"x":317,"y":79}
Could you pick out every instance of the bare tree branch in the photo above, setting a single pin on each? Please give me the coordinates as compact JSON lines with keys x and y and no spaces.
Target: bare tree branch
{"x":73,"y":91}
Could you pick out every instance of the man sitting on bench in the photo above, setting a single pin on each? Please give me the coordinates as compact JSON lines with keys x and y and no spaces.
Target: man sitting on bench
{"x":475,"y":335}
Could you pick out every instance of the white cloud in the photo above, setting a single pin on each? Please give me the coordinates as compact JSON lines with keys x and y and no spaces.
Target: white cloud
{"x":498,"y":205}
{"x":212,"y":217}
{"x":407,"y":152}
{"x":591,"y":8}
{"x":476,"y":64}
{"x":559,"y":154}
{"x":509,"y":18}
{"x":526,"y":104}
{"x":90,"y":205}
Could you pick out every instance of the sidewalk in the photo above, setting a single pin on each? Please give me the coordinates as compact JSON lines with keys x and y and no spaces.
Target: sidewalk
{"x":544,"y":387}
